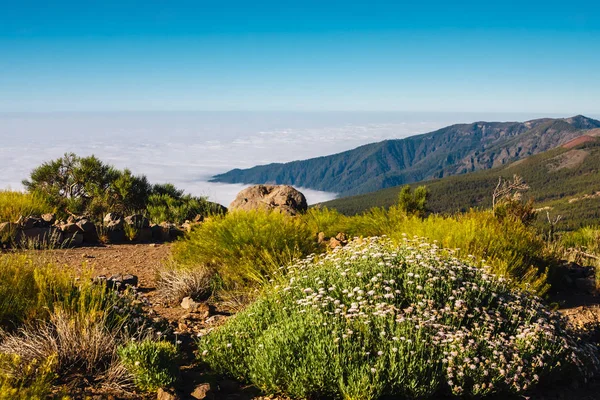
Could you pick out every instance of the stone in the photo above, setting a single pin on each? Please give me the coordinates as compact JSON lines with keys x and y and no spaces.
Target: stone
{"x":119,"y":282}
{"x":138,"y":221}
{"x":188,"y":303}
{"x":283,"y":198}
{"x":156,"y":232}
{"x":166,"y":394}
{"x":49,"y":218}
{"x":74,"y":239}
{"x":216,"y":319}
{"x":341,"y":237}
{"x":116,"y":235}
{"x":182,"y":327}
{"x":169,"y":232}
{"x":187,"y":226}
{"x":70,"y":228}
{"x":585,"y":285}
{"x":90,"y":235}
{"x":321,"y":237}
{"x":202,"y":391}
{"x":31,"y":222}
{"x":113,"y":222}
{"x":333,"y":243}
{"x":145,"y":235}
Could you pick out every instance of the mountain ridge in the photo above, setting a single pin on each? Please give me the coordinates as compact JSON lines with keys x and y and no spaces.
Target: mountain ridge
{"x":564,"y":181}
{"x":452,"y":150}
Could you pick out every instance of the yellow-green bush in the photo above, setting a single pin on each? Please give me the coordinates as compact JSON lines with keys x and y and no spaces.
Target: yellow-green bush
{"x":48,"y":315}
{"x":246,"y":247}
{"x":511,"y":248}
{"x":15,"y":204}
{"x":31,"y":289}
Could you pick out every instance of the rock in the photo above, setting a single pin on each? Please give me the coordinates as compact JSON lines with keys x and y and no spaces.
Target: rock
{"x":189,"y":304}
{"x":156,"y":232}
{"x":119,"y":282}
{"x":90,"y":235}
{"x":187,"y":226}
{"x":182,"y":327}
{"x":169,"y":232}
{"x":49,"y":218}
{"x":145,"y":235}
{"x":197,"y":311}
{"x":284,"y":198}
{"x":70,"y":228}
{"x":31,"y":222}
{"x":216,"y":319}
{"x":138,"y":221}
{"x":166,"y":394}
{"x":585,"y":285}
{"x":321,"y":237}
{"x":202,"y":391}
{"x":73,"y":239}
{"x":116,"y":235}
{"x":341,"y":237}
{"x":113,"y":222}
{"x":333,"y":243}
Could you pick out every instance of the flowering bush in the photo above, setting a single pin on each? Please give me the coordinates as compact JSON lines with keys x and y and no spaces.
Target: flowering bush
{"x":376,"y":319}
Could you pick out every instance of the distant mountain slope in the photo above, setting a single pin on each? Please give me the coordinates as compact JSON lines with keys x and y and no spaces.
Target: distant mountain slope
{"x":565,"y":179}
{"x":456,"y":149}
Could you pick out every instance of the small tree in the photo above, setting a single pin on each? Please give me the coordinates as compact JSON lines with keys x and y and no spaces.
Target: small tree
{"x":77,"y":185}
{"x":507,"y":200}
{"x":71,"y":183}
{"x":413,"y":202}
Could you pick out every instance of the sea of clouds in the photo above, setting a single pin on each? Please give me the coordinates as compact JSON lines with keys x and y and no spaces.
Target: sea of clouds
{"x":188,"y":148}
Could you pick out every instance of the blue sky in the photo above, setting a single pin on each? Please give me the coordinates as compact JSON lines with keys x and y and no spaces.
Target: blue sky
{"x":483,"y":56}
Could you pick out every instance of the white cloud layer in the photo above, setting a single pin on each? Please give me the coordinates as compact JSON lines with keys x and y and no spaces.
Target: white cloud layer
{"x":188,"y":148}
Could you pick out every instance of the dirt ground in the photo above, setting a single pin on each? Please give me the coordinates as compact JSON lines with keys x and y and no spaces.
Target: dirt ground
{"x":142,"y":260}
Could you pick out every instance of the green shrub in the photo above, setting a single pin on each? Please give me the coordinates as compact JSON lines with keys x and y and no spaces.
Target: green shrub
{"x":177,"y":209}
{"x":246,"y":248}
{"x":152,"y":364}
{"x":586,"y":238}
{"x":16,"y":204}
{"x":375,"y":319}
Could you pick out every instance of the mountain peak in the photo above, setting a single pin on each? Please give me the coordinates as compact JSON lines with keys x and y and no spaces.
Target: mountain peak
{"x":583,"y":122}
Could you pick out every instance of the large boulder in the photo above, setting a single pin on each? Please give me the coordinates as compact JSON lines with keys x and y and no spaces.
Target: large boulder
{"x":113,"y":222}
{"x":270,"y":197}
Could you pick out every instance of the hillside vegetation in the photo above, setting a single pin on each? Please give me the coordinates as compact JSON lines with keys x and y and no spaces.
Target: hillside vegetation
{"x":565,"y":179}
{"x":453,"y":150}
